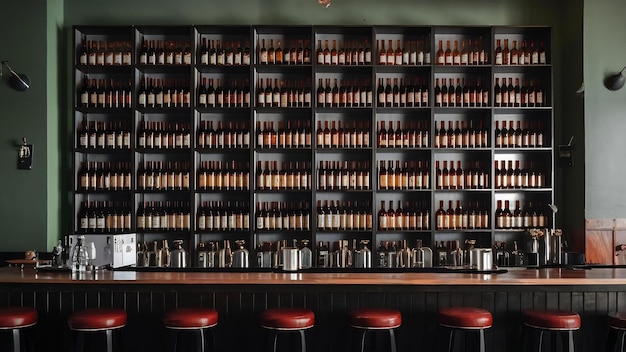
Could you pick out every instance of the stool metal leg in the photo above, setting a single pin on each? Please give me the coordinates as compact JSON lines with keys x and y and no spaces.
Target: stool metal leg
{"x":16,"y":340}
{"x":200,"y":345}
{"x":451,"y":341}
{"x":173,"y":340}
{"x":568,"y":341}
{"x":109,"y":337}
{"x":481,"y":342}
{"x":392,"y":340}
{"x":362,"y":349}
{"x":79,"y":341}
{"x":302,"y":341}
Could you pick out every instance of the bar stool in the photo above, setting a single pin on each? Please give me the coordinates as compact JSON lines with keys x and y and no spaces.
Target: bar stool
{"x":617,"y":326}
{"x":196,"y":320}
{"x":94,"y":320}
{"x":287,"y":320}
{"x":557,"y":321}
{"x":376,"y":319}
{"x":465,"y":319}
{"x":17,"y":319}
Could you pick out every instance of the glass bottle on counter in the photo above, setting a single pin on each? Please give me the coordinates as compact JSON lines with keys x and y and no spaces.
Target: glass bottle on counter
{"x":80,"y":256}
{"x":306,"y":256}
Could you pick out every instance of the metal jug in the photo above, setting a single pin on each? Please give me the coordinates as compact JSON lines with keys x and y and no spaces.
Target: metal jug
{"x":291,"y":258}
{"x":363,"y":257}
{"x":241,"y":255}
{"x":178,"y":255}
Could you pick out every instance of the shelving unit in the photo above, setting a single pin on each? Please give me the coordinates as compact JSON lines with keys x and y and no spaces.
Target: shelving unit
{"x":199,"y":116}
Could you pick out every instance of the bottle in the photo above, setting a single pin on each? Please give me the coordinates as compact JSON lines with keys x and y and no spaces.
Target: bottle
{"x":80,"y":255}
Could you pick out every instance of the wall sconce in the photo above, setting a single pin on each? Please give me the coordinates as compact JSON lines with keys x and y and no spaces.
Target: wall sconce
{"x":616,"y":81}
{"x":18,"y":81}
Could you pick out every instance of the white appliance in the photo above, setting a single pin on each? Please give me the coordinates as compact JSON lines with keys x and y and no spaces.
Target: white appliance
{"x":115,"y":250}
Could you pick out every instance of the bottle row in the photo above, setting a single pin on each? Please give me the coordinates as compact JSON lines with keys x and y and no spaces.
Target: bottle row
{"x":349,"y":53}
{"x":532,"y":136}
{"x":224,"y":53}
{"x":509,"y":177}
{"x":106,"y":93}
{"x":105,"y":216}
{"x":104,"y":135}
{"x":475,"y":216}
{"x":338,"y":137}
{"x":164,"y":135}
{"x":530,"y":53}
{"x":346,"y":175}
{"x":165,"y":52}
{"x":340,"y":255}
{"x":411,"y":175}
{"x":298,"y":54}
{"x":164,"y":93}
{"x":414,"y":134}
{"x":215,"y":175}
{"x":335,"y":215}
{"x":348,"y":94}
{"x":414,"y":216}
{"x":272,"y":216}
{"x":164,"y":216}
{"x":163,"y":176}
{"x":287,"y":94}
{"x":460,"y":136}
{"x":223,"y":216}
{"x":472,"y":177}
{"x":105,"y":53}
{"x":410,"y":53}
{"x":525,"y":217}
{"x":237,"y":136}
{"x":405,"y":95}
{"x":331,"y":215}
{"x":530,"y":95}
{"x":338,"y":48}
{"x":469,"y":54}
{"x":234,"y":94}
{"x":414,"y":92}
{"x":473,"y":94}
{"x":294,"y":175}
{"x":105,"y":176}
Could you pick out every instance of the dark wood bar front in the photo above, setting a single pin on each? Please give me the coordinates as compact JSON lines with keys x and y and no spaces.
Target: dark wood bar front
{"x":240,"y":297}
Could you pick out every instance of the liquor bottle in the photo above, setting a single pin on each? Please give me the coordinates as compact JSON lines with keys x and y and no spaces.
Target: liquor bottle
{"x":441,"y":60}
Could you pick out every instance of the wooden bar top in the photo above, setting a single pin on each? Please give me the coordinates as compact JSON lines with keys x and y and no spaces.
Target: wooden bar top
{"x":513,"y":276}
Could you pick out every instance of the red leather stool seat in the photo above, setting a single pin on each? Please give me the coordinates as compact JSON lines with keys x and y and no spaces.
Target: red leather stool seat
{"x":552,"y":319}
{"x":617,"y":320}
{"x":375,"y":318}
{"x":190,"y":318}
{"x":287,"y":318}
{"x":17,"y":317}
{"x":94,"y":319}
{"x":465,"y":318}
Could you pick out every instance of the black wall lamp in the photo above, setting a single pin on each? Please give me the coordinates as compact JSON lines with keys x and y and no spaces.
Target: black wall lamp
{"x":18,"y":81}
{"x":616,"y":81}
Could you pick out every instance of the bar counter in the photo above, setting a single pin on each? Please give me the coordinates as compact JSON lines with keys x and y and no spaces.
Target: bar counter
{"x":510,"y":276}
{"x":240,"y":296}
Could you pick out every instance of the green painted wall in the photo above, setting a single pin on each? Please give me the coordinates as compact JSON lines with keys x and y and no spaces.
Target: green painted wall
{"x":605,"y":111}
{"x":24,"y":195}
{"x":35,"y":212}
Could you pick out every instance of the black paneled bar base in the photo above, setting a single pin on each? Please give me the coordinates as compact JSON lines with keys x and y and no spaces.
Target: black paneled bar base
{"x":593,"y":294}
